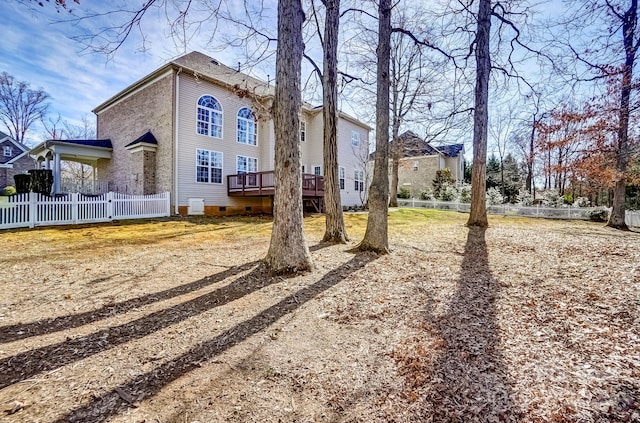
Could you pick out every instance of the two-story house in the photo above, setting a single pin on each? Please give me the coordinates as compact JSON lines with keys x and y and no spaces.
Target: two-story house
{"x":14,"y":160}
{"x":419,"y":161}
{"x":203,"y":132}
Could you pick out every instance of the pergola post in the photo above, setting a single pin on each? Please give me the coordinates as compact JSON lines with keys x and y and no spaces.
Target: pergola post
{"x":57,"y":167}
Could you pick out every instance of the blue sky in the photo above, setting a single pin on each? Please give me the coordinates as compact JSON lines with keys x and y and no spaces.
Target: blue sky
{"x":36,"y":48}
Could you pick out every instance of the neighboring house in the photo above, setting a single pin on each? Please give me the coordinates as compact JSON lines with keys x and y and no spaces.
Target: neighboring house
{"x":14,"y":160}
{"x":196,"y":128}
{"x":419,"y":162}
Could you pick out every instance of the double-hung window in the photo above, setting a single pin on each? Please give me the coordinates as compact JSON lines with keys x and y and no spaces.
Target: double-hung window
{"x":317,"y":170}
{"x":358,"y":176}
{"x":209,"y":117}
{"x":355,"y":138}
{"x":341,"y":176}
{"x":244,"y":165}
{"x":209,"y":166}
{"x":303,"y":130}
{"x":247,"y":133}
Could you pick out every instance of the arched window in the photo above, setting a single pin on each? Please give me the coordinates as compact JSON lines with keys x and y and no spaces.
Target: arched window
{"x":209,"y":116}
{"x":246,"y":126}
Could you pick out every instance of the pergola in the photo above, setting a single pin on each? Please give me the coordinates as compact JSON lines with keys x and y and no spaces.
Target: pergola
{"x":52,"y":152}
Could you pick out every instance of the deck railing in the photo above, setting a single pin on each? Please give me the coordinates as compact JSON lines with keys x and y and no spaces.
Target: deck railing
{"x":264,"y":183}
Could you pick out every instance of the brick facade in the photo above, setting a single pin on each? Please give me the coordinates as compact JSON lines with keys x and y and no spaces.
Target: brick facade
{"x":417,"y":173}
{"x":125,"y":121}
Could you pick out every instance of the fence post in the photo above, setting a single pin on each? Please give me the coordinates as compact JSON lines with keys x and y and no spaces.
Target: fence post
{"x":537,"y":210}
{"x":33,"y":211}
{"x":74,"y":207}
{"x":110,"y":205}
{"x":167,"y":196}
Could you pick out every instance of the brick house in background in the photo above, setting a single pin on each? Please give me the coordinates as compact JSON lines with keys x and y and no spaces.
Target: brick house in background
{"x":203,"y":132}
{"x":420,"y":161}
{"x":14,"y":160}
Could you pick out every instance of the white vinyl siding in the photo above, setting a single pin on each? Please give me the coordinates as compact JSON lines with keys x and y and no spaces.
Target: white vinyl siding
{"x":188,"y":141}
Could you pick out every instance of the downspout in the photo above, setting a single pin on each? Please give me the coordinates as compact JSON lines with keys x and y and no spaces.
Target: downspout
{"x":176,"y":137}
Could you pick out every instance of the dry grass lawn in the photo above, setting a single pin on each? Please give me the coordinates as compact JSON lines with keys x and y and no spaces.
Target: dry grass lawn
{"x":176,"y":321}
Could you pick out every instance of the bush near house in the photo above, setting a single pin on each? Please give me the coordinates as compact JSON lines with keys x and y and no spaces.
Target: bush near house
{"x":404,"y":193}
{"x":9,"y":191}
{"x":599,"y":215}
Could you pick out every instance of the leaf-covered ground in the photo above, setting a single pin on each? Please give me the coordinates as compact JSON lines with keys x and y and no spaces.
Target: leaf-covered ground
{"x":176,"y":321}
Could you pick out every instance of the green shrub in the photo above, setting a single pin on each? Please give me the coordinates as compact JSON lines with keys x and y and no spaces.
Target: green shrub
{"x":404,"y":193}
{"x":599,"y":215}
{"x":494,"y":197}
{"x":464,"y":193}
{"x":9,"y":190}
{"x":426,"y":195}
{"x":447,"y":193}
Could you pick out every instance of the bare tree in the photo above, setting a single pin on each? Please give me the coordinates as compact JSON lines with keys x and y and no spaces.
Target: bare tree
{"x":20,"y":106}
{"x":54,"y":129}
{"x":335,"y":230}
{"x":288,"y":251}
{"x":478,"y":212}
{"x":376,"y":237}
{"x":408,"y":87}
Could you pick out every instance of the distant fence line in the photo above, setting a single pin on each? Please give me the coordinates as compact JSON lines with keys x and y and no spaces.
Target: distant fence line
{"x":32,"y":209}
{"x":632,"y":218}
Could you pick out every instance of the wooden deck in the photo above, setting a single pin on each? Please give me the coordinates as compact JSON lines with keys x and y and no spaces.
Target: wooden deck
{"x":262,"y":184}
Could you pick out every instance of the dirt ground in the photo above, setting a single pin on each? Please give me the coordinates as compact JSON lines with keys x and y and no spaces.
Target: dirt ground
{"x":177,"y":321}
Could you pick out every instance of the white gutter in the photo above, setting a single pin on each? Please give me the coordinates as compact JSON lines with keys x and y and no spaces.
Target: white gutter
{"x":175,"y":143}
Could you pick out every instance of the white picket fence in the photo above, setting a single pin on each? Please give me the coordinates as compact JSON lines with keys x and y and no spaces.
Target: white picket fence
{"x":632,"y":218}
{"x":32,"y":209}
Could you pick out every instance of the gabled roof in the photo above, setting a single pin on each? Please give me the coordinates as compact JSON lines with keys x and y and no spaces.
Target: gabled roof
{"x":23,"y":149}
{"x":411,"y":145}
{"x":202,"y":65}
{"x":147,"y":138}
{"x":207,"y":68}
{"x":17,"y":144}
{"x":452,"y":150}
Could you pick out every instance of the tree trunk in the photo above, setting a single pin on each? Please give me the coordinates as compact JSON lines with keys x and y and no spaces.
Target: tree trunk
{"x":395,"y":165}
{"x":478,"y":213}
{"x":376,"y":237}
{"x":616,"y":220}
{"x":288,"y":251}
{"x":335,"y":230}
{"x":529,"y":180}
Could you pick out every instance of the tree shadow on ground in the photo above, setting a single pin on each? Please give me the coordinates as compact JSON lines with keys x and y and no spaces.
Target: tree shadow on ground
{"x":149,"y":384}
{"x":469,"y":376}
{"x":26,"y":364}
{"x":46,"y":326}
